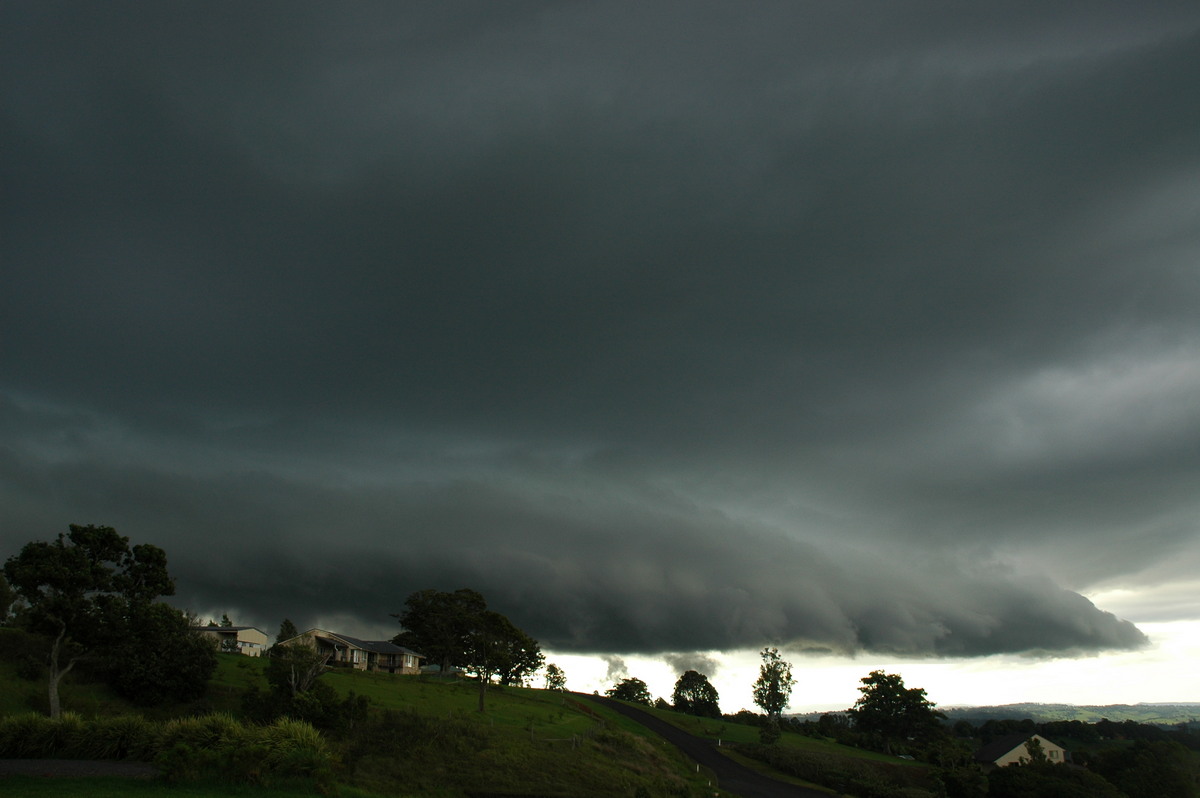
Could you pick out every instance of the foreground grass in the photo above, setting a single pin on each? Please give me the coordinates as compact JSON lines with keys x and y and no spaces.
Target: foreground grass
{"x":107,"y":787}
{"x":717,"y":729}
{"x":435,"y":742}
{"x":529,"y":741}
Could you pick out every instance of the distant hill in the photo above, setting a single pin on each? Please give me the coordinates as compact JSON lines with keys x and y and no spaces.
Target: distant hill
{"x":1163,"y":714}
{"x":1169,"y":714}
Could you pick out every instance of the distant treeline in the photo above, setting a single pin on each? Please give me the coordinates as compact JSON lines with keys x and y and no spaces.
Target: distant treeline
{"x":1078,"y":732}
{"x":1158,"y":714}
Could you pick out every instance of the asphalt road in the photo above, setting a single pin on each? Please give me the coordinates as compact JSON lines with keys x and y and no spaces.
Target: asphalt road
{"x":732,"y":776}
{"x":74,"y":768}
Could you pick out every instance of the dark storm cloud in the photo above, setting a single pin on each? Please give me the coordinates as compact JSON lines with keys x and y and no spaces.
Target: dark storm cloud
{"x":616,"y":567}
{"x":674,"y":329}
{"x":693,"y":661}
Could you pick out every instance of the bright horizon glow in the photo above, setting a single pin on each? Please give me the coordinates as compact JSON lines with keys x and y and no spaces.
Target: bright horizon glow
{"x":1162,"y":673}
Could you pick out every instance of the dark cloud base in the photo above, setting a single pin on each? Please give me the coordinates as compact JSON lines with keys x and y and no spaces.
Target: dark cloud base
{"x":581,"y":573}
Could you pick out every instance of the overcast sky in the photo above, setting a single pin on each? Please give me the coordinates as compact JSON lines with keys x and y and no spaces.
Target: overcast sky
{"x":862,"y":329}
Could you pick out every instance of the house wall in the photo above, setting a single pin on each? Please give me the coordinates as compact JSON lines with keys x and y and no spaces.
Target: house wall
{"x":1054,"y":754}
{"x":252,"y":642}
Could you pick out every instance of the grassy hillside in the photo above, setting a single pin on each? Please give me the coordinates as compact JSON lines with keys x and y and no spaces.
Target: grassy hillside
{"x":433,"y":742}
{"x":528,"y":742}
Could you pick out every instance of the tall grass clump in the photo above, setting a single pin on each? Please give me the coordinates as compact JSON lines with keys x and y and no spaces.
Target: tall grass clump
{"x":22,"y":736}
{"x":34,"y":736}
{"x":120,"y":737}
{"x":294,"y":747}
{"x":207,"y":732}
{"x":286,"y":736}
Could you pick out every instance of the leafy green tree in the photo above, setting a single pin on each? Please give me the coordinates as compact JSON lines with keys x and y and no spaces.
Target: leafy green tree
{"x":457,"y":629}
{"x":1149,"y":769}
{"x":495,"y":647}
{"x":520,"y":656}
{"x":225,"y":622}
{"x":892,"y":711}
{"x":84,"y":591}
{"x":438,"y":624}
{"x":287,"y":630}
{"x":1049,"y":781}
{"x":773,"y":689}
{"x":631,"y":689}
{"x":695,"y":695}
{"x":556,"y":679}
{"x":159,"y":656}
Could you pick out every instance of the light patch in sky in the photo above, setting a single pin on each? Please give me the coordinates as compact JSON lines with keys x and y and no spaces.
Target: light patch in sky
{"x":1163,"y":673}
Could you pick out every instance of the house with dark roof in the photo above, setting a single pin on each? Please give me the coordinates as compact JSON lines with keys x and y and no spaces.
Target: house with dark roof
{"x":249,"y":640}
{"x":344,"y":651}
{"x":1014,"y":749}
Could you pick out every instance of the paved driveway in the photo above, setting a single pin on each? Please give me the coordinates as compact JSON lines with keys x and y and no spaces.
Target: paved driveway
{"x":732,"y":776}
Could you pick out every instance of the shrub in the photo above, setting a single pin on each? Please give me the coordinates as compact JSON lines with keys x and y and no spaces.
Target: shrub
{"x":769,"y":733}
{"x":217,"y":747}
{"x":211,"y":731}
{"x":35,"y":736}
{"x":21,"y":736}
{"x":31,"y":668}
{"x":286,"y":736}
{"x":121,"y":737}
{"x":294,"y":747}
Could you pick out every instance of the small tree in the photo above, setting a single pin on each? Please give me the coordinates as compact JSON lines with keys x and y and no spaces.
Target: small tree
{"x":889,"y":709}
{"x":287,"y":631}
{"x":7,"y":597}
{"x":1037,"y":753}
{"x":631,"y":689}
{"x":556,"y":679}
{"x":695,"y":695}
{"x":496,"y":647}
{"x":773,"y":689}
{"x":293,"y":669}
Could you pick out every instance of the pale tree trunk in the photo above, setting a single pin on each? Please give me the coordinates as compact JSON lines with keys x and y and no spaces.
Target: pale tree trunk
{"x":301,"y":676}
{"x":56,"y":675}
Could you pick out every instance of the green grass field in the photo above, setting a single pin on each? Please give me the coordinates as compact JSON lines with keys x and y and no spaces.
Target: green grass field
{"x":529,"y":741}
{"x":737,"y":733}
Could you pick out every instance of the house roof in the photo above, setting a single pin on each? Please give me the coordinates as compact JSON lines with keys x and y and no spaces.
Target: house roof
{"x":376,"y":646}
{"x":228,"y":629}
{"x":1003,"y":745}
